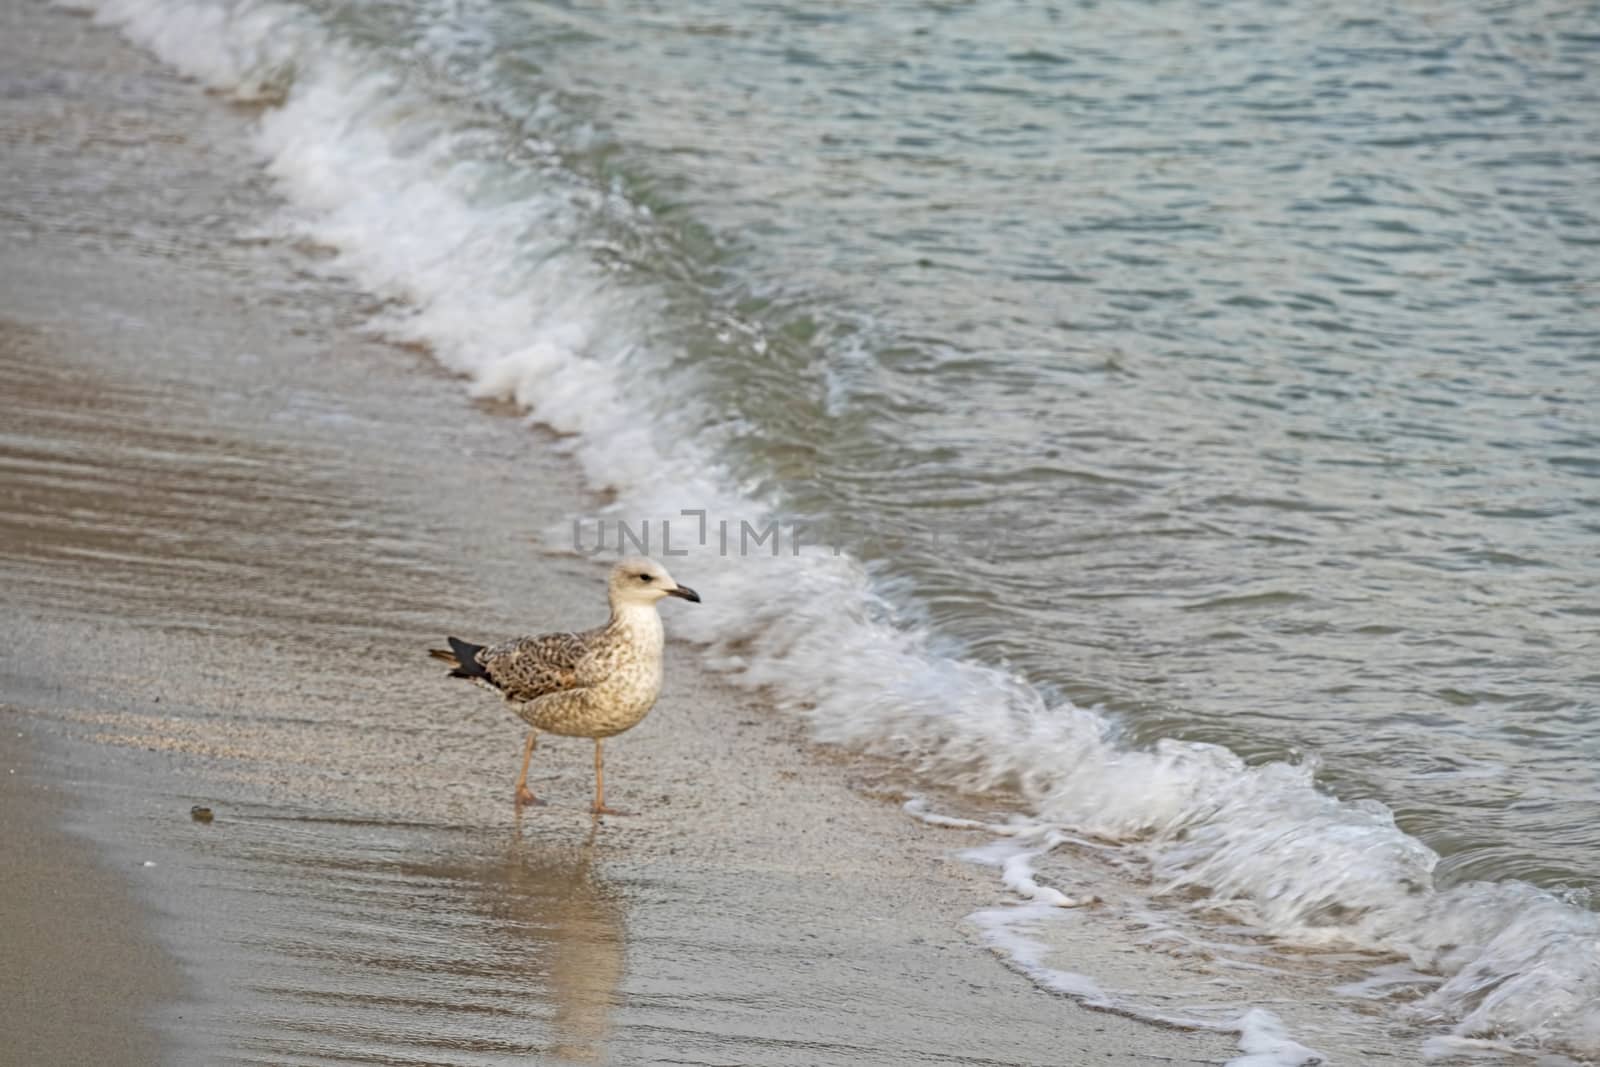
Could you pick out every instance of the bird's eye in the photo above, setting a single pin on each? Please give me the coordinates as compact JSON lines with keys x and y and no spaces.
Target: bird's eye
{"x":644,"y":577}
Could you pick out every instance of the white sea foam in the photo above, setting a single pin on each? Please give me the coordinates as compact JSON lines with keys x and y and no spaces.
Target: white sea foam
{"x":1266,"y":1043}
{"x":1013,"y":931}
{"x":488,"y":262}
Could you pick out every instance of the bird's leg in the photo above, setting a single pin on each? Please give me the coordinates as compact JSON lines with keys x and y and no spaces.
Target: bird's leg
{"x":600,"y":785}
{"x":524,"y":796}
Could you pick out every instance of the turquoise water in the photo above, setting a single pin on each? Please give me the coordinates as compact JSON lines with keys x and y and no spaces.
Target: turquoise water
{"x":1200,"y":398}
{"x":1247,"y":353}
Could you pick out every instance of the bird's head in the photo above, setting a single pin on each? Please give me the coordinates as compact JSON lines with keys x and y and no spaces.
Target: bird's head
{"x":638,"y":580}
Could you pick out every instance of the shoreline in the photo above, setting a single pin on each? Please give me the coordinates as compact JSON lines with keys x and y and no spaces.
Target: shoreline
{"x":240,"y":522}
{"x":80,"y":976}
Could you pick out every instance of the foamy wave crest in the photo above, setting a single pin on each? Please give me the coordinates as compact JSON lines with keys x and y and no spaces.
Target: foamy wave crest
{"x":480,"y":236}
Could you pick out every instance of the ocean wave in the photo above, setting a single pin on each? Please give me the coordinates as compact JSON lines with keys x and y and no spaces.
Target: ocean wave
{"x":483,"y":244}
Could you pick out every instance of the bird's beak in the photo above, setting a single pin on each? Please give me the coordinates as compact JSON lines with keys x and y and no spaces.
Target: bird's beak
{"x":685,"y":592}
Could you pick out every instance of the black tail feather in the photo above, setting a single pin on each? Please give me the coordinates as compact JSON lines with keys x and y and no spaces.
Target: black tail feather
{"x":466,"y":657}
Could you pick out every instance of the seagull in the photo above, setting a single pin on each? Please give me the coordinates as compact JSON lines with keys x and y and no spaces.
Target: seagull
{"x":596,"y":683}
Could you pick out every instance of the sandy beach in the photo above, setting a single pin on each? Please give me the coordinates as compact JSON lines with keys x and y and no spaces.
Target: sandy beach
{"x":234,"y":523}
{"x":89,"y":1005}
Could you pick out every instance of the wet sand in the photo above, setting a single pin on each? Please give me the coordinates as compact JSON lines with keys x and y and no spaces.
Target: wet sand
{"x":234,"y":523}
{"x":90,"y":1005}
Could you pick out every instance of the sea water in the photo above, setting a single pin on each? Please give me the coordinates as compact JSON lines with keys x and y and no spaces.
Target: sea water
{"x":1172,"y":422}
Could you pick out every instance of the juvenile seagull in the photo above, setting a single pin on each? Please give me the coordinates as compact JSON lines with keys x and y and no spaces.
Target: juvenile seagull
{"x":592,"y":684}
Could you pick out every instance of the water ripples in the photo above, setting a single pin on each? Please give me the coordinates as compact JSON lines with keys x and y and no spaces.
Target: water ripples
{"x":1247,"y":349}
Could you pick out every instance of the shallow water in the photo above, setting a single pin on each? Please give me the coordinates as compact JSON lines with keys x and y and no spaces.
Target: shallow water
{"x":1249,"y":350}
{"x":1225,"y":369}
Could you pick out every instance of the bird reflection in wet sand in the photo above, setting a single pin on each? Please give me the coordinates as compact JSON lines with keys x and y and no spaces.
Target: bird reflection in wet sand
{"x":567,"y":925}
{"x":541,"y":957}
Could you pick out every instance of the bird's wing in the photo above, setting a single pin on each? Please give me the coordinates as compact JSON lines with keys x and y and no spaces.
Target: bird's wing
{"x":527,"y":668}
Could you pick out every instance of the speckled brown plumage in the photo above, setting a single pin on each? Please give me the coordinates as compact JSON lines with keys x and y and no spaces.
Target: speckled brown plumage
{"x":594,"y":683}
{"x":526,"y":668}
